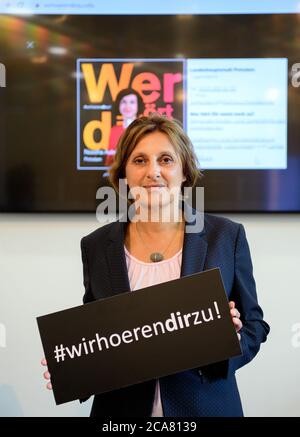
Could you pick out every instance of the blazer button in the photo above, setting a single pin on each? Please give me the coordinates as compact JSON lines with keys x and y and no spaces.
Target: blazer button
{"x":200,"y":373}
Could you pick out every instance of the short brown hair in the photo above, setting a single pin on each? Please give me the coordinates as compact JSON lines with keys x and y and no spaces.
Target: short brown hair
{"x":123,"y":93}
{"x":142,"y":126}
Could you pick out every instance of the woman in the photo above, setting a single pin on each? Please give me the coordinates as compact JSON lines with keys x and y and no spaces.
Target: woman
{"x":129,"y":105}
{"x":157,"y":157}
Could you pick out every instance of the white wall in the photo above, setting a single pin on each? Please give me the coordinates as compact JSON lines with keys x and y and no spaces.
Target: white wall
{"x":41,"y":272}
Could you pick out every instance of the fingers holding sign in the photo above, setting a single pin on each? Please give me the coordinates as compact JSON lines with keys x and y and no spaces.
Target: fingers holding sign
{"x":235,"y":314}
{"x":46,"y":374}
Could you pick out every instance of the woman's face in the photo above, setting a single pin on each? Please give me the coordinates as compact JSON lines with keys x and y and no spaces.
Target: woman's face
{"x":155,"y":165}
{"x":129,"y":106}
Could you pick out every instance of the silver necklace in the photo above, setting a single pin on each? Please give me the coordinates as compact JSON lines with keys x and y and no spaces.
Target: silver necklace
{"x":155,"y":256}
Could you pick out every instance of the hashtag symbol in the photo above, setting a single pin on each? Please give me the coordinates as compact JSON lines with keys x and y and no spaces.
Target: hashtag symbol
{"x":59,"y":353}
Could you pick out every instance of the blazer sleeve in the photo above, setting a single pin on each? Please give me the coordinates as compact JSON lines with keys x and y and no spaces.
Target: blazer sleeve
{"x":255,"y":329}
{"x":88,"y":296}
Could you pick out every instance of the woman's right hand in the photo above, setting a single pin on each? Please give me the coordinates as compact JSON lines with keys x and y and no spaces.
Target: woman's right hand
{"x":46,"y":374}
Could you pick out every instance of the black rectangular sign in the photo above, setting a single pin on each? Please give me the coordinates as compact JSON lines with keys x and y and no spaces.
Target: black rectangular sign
{"x":137,"y":336}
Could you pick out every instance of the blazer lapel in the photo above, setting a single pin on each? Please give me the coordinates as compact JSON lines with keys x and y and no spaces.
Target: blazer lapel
{"x":116,"y":260}
{"x":194,"y":244}
{"x":193,"y":254}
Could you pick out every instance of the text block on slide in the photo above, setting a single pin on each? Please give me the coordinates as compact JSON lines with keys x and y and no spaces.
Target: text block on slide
{"x":237,"y":112}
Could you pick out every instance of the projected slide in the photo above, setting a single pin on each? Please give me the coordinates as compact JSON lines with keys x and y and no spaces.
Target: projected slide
{"x":234,"y":110}
{"x":237,"y":112}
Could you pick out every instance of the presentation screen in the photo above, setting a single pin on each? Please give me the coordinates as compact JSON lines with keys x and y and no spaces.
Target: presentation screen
{"x":71,"y":84}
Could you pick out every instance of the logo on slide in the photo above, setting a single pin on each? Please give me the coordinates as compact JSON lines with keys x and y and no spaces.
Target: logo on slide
{"x":111,"y":93}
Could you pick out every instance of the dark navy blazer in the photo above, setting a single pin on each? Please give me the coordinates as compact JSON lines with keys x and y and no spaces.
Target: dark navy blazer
{"x":211,"y":390}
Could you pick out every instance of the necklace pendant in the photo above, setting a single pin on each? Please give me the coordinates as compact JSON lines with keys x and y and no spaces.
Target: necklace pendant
{"x":156,"y":257}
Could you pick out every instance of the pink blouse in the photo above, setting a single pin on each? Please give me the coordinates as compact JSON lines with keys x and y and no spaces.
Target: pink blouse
{"x":141,"y":275}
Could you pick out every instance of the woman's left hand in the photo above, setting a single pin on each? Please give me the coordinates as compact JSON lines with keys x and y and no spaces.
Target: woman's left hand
{"x":235,"y":314}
